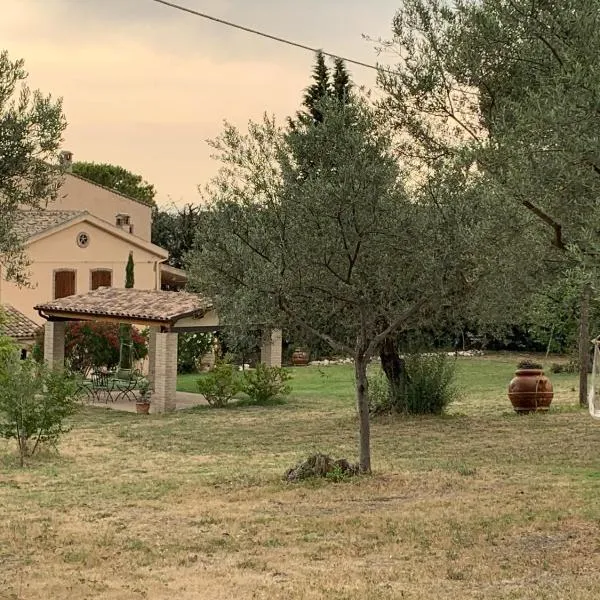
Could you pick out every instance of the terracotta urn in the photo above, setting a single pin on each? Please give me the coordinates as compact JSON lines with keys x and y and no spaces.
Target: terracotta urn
{"x":300,"y":358}
{"x":530,"y":390}
{"x":142,"y":408}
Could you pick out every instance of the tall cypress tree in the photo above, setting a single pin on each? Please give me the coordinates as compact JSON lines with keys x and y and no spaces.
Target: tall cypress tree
{"x":342,"y":85}
{"x":129,"y":278}
{"x":126,"y":346}
{"x":327,"y":83}
{"x":321,"y":88}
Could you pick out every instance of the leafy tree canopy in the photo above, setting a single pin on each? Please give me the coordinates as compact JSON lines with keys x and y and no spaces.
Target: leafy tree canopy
{"x":117,"y":178}
{"x":327,"y":84}
{"x":340,"y":250}
{"x":31,"y":128}
{"x":511,"y":85}
{"x":175,"y":229}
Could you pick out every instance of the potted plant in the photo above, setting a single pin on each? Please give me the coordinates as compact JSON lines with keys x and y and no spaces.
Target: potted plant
{"x":530,"y":390}
{"x":300,"y":357}
{"x":142,"y":403}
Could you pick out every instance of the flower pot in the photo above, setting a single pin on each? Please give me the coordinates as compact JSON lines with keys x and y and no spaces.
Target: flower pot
{"x":300,"y":358}
{"x":142,"y":408}
{"x":530,"y":390}
{"x":124,"y":374}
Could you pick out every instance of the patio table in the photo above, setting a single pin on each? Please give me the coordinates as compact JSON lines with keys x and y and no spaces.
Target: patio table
{"x":102,"y":382}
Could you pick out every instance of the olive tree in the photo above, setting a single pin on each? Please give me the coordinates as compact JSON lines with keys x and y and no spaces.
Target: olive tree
{"x":31,"y":127}
{"x":339,"y":249}
{"x":512,"y":84}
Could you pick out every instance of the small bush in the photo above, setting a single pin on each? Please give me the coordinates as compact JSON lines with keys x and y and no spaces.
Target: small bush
{"x":429,"y":389}
{"x":220,"y":385}
{"x":431,"y":384}
{"x":570,"y":367}
{"x":34,"y":403}
{"x":379,"y":393}
{"x":264,"y":384}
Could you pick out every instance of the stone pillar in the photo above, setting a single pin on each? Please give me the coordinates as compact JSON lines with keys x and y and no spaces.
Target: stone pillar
{"x":54,"y":344}
{"x":270,"y":350}
{"x":152,"y":353}
{"x":165,"y":373}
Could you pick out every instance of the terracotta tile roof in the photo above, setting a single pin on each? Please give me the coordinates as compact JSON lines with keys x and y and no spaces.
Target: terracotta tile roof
{"x":140,"y":305}
{"x":15,"y":324}
{"x":33,"y":222}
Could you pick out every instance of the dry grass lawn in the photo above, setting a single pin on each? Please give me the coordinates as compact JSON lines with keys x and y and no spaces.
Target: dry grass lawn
{"x":478,"y":504}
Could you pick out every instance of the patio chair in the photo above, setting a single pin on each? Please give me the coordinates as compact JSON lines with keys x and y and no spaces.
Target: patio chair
{"x":86,"y":388}
{"x":103,"y":383}
{"x":127,"y":387}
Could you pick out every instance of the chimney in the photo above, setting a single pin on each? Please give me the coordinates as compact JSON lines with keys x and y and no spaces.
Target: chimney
{"x":123,"y":221}
{"x":65,"y":159}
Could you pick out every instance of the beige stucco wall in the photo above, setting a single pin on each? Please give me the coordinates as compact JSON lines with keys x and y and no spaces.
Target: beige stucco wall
{"x":60,"y":251}
{"x":78,"y":194}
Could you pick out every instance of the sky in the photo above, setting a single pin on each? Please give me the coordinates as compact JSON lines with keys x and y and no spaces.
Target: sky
{"x":145,"y":86}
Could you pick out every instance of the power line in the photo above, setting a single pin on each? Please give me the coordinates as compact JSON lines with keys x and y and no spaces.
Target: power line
{"x":263,"y":34}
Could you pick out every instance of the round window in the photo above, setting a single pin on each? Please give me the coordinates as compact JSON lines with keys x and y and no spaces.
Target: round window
{"x":83,"y":240}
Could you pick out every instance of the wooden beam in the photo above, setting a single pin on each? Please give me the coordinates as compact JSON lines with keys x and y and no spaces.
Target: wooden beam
{"x":62,"y":316}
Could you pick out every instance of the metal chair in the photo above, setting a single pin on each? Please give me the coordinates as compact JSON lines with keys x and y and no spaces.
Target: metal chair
{"x":86,"y":388}
{"x":103,"y":382}
{"x":128,"y":387}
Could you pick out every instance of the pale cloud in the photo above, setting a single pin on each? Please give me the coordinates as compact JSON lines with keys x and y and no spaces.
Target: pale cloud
{"x":144,"y":86}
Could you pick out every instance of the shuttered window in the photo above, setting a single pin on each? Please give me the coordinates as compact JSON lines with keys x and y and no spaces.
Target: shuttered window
{"x":101,"y":278}
{"x":64,"y":284}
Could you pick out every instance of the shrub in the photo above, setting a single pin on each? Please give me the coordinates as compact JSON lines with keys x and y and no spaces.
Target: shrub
{"x":191,"y":347}
{"x":569,"y":367}
{"x":379,"y":392}
{"x":430,"y":387}
{"x":34,"y":403}
{"x":220,"y":385}
{"x":90,"y":344}
{"x":7,"y":352}
{"x":264,"y":384}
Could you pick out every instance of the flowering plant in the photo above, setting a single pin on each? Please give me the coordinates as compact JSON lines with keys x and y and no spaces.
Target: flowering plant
{"x":92,"y":344}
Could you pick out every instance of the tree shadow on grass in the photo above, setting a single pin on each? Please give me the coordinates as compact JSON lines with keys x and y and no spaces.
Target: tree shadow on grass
{"x":244,"y":402}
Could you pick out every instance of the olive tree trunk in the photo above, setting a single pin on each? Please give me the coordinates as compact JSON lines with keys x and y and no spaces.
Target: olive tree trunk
{"x":584,"y":344}
{"x":394,"y":368}
{"x":362,"y":404}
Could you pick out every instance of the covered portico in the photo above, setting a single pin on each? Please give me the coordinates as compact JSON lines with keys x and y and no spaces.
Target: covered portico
{"x":164,"y":313}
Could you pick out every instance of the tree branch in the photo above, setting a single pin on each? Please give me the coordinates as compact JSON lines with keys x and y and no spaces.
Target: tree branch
{"x":326,"y":338}
{"x":538,"y":212}
{"x":395,"y":325}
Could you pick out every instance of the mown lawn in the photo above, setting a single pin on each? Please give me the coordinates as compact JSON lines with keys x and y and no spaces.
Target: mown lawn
{"x":480,"y":503}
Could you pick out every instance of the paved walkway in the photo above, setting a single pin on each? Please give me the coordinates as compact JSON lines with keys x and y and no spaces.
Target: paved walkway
{"x":183,"y":400}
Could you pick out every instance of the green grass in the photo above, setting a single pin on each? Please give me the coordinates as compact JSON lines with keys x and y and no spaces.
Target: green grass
{"x":479,"y":503}
{"x":335,"y":382}
{"x":483,"y":382}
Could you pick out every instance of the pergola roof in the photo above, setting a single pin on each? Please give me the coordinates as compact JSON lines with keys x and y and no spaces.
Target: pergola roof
{"x":130,"y":305}
{"x":16,"y":325}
